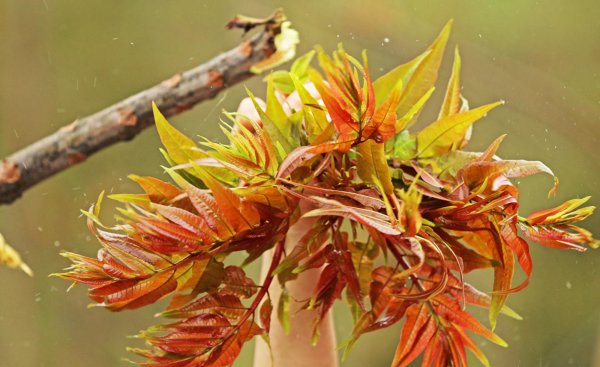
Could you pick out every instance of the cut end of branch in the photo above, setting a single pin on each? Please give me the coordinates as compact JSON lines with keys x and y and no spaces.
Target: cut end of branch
{"x":249,"y":23}
{"x":10,"y":172}
{"x":285,"y":38}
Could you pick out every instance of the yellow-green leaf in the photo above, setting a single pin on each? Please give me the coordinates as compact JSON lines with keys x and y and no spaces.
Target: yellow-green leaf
{"x":372,"y":162}
{"x":181,"y":149}
{"x":402,"y":73}
{"x":425,"y":74}
{"x":439,"y":137}
{"x":300,"y":66}
{"x":314,"y":115}
{"x":402,"y":122}
{"x":411,"y":200}
{"x":11,"y":258}
{"x":275,"y":110}
{"x":452,"y":99}
{"x":138,"y":199}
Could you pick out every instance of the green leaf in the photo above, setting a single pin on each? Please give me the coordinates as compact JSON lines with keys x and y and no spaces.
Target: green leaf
{"x":282,"y":80}
{"x":300,"y":67}
{"x":283,"y":310}
{"x":275,"y":131}
{"x":439,"y":137}
{"x":405,"y":146}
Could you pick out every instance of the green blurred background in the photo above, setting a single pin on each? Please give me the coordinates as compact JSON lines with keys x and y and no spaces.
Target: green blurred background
{"x":61,"y":60}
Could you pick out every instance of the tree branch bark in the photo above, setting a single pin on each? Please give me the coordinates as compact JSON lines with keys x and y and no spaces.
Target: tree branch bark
{"x":72,"y":144}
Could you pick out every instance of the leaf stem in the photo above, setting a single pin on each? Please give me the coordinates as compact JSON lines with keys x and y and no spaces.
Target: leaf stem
{"x":264,"y":288}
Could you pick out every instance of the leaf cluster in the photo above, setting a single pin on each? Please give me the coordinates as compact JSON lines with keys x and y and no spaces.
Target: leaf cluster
{"x":400,"y":218}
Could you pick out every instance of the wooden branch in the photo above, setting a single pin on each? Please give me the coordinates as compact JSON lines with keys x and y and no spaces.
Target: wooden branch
{"x":73,"y":143}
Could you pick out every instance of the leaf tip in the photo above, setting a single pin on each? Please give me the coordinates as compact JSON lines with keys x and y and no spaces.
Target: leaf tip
{"x":501,"y":342}
{"x":448,"y":26}
{"x":26,"y":269}
{"x":554,"y":189}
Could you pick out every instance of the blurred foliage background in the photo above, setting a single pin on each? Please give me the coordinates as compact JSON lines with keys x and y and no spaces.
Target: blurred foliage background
{"x":60,"y":60}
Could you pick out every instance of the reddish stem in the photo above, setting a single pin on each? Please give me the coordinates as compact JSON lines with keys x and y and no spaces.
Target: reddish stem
{"x":264,"y":289}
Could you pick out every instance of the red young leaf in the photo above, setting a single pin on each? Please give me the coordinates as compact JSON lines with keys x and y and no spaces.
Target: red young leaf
{"x":417,"y":331}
